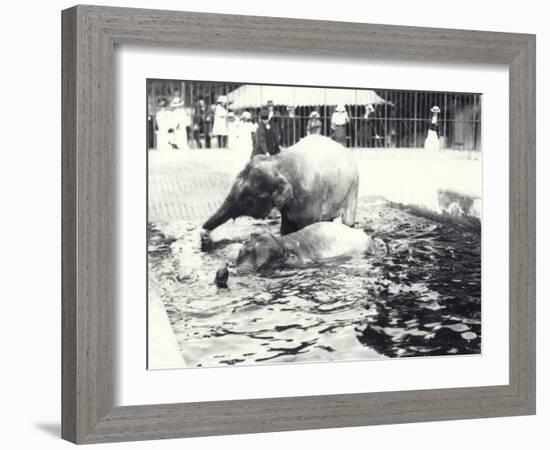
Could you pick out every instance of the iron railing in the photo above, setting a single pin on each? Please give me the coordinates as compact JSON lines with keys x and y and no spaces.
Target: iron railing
{"x":402,"y":120}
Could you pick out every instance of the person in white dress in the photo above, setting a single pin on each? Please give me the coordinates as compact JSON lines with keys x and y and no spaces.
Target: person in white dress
{"x":247,"y":129}
{"x":338,"y":123}
{"x":220,"y":121}
{"x":180,"y":120}
{"x":164,"y":126}
{"x":232,"y":129}
{"x":432,"y":139}
{"x":314,"y":124}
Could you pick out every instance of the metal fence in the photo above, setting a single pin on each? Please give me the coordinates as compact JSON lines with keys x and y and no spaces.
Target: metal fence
{"x":401,"y":120}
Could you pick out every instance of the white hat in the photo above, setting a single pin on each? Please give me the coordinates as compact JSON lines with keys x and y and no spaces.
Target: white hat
{"x":246,"y":115}
{"x":314,"y":114}
{"x":222,"y":99}
{"x":176,"y":102}
{"x":340,"y":108}
{"x":435,"y":109}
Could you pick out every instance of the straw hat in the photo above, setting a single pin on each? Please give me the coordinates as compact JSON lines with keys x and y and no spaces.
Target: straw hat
{"x":176,"y":102}
{"x":314,"y":114}
{"x":340,"y":108}
{"x":435,"y":109}
{"x":246,"y":115}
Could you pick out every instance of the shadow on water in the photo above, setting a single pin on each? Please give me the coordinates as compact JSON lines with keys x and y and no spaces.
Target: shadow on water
{"x":423,"y":299}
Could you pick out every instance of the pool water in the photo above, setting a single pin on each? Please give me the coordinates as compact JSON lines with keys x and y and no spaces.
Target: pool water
{"x":423,"y":299}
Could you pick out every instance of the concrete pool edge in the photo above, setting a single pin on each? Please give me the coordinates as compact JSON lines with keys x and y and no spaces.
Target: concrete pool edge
{"x":162,"y":346}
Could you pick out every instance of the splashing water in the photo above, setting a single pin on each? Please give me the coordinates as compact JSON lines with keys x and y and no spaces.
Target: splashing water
{"x":423,"y":299}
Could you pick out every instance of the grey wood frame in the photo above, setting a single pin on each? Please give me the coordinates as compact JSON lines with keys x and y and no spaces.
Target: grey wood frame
{"x":90,"y":34}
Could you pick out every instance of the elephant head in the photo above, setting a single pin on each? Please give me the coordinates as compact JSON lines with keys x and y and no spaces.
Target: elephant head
{"x":258,"y":188}
{"x":261,"y":251}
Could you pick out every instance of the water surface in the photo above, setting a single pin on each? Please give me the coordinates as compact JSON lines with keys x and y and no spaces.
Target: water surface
{"x":423,"y":299}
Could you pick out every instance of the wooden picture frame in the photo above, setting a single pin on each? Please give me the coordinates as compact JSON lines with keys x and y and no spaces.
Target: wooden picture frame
{"x":90,"y":34}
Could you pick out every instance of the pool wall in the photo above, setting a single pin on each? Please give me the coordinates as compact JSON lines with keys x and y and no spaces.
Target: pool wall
{"x":444,"y":185}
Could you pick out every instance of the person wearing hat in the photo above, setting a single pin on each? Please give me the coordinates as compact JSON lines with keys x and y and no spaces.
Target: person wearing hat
{"x":202,"y":120}
{"x":150,"y":126}
{"x":180,"y":120}
{"x":314,"y":125}
{"x":275,"y":121}
{"x":232,"y":128}
{"x":246,"y":132}
{"x":220,"y":121}
{"x":164,"y":126}
{"x":338,"y":123}
{"x":432,"y":139}
{"x":270,"y":109}
{"x":368,"y":128}
{"x":266,"y":141}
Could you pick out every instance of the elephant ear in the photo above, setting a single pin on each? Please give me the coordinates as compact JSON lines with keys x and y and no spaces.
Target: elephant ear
{"x":283,"y":193}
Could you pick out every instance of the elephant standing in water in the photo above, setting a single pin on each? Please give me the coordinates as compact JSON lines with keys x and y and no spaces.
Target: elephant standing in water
{"x":313,"y":181}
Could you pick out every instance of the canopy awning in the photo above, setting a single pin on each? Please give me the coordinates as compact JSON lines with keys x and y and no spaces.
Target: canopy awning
{"x":257,"y":96}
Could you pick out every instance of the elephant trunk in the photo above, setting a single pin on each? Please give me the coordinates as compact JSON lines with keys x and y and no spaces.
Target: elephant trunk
{"x":222,"y":215}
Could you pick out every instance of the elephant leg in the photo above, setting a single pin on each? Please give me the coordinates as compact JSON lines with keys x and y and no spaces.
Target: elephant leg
{"x":350,"y":207}
{"x":287,"y":226}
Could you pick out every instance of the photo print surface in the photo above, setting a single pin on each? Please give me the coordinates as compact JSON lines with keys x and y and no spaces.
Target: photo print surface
{"x":296,"y":224}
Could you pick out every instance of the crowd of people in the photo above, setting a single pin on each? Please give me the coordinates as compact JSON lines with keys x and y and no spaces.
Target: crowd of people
{"x":178,"y":127}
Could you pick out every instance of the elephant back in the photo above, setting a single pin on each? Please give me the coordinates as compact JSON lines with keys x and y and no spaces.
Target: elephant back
{"x":318,"y":160}
{"x":324,"y":179}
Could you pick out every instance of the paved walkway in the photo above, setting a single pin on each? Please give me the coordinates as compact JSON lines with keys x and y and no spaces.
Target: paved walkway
{"x":190,"y":184}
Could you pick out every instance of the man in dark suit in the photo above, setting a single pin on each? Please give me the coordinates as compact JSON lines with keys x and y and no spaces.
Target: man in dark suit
{"x":267,"y":137}
{"x":202,"y":120}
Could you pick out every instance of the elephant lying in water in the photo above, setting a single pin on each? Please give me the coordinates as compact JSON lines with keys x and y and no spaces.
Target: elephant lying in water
{"x":315,"y":243}
{"x":315,"y":180}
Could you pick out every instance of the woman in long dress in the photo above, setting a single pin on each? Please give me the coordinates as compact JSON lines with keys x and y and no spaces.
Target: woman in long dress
{"x":164,"y":126}
{"x":247,"y":129}
{"x":314,"y":124}
{"x":220,"y":121}
{"x":180,"y":123}
{"x":432,"y":139}
{"x":338,"y":123}
{"x":232,"y":130}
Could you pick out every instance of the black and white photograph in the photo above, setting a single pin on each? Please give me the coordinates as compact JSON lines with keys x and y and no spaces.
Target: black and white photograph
{"x":301,"y":224}
{"x":267,"y":225}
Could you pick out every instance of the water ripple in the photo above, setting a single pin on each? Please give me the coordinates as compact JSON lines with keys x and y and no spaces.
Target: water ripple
{"x":421,"y":300}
